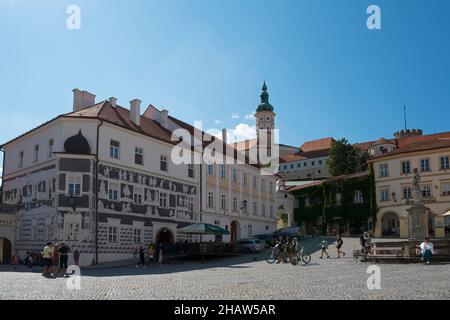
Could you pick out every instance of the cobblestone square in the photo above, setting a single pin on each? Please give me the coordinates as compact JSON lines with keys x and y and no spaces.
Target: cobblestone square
{"x":244,"y":277}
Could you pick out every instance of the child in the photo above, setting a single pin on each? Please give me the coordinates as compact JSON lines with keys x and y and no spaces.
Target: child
{"x":324,"y":247}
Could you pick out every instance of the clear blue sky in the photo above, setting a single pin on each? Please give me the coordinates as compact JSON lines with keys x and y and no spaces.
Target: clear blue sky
{"x":328,"y":75}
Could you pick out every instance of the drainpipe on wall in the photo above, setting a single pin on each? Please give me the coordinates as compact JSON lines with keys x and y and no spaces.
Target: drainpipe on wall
{"x":96,"y":191}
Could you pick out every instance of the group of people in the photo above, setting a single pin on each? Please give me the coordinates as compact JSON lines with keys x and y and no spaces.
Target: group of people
{"x":145,"y":256}
{"x":339,"y":244}
{"x":55,"y":259}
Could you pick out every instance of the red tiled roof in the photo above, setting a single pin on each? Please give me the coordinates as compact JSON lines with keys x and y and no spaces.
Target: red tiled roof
{"x":305,"y":155}
{"x":425,"y":145}
{"x":319,"y":144}
{"x":382,"y":141}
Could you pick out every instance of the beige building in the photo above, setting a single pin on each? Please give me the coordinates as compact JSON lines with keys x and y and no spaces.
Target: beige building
{"x":393,"y":181}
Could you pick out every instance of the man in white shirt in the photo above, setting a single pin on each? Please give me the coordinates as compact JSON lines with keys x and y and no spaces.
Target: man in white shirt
{"x":426,"y":249}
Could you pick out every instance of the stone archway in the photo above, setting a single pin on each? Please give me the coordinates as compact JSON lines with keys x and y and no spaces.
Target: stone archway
{"x":235,"y":231}
{"x":5,"y":251}
{"x":390,"y":225}
{"x":165,"y":236}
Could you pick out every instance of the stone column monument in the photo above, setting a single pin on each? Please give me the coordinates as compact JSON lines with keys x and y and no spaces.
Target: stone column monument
{"x":418,"y":222}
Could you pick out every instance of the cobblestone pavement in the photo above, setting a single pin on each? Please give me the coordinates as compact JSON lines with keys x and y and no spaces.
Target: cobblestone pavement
{"x":245,"y":277}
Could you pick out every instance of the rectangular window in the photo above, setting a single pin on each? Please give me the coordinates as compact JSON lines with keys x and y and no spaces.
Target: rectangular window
{"x":304,"y":164}
{"x":190,"y":170}
{"x":320,"y":162}
{"x":445,"y":187}
{"x":137,"y":236}
{"x":223,"y":202}
{"x":235,"y":204}
{"x":359,"y":197}
{"x":36,"y":153}
{"x":210,"y":199}
{"x":137,"y":195}
{"x":270,"y":188}
{"x":114,"y":149}
{"x":235,"y":175}
{"x":255,"y":183}
{"x":263,"y":209}
{"x":271,"y":211}
{"x":112,"y":234}
{"x":407,"y":193}
{"x":255,"y":209}
{"x":385,"y":196}
{"x":223,"y":171}
{"x":263,"y":186}
{"x":338,"y":199}
{"x":406,"y":167}
{"x":244,"y":206}
{"x":210,"y":169}
{"x":20,"y":159}
{"x":425,"y":165}
{"x":384,"y":170}
{"x":245,"y":179}
{"x":50,"y":147}
{"x":312,"y":163}
{"x":74,"y":185}
{"x":163,"y":200}
{"x":163,"y":163}
{"x":426,"y":191}
{"x":113,"y":191}
{"x":445,"y":164}
{"x":139,"y":156}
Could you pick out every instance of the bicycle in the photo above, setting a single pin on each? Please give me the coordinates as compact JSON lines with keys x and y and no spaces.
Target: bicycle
{"x":301,"y":255}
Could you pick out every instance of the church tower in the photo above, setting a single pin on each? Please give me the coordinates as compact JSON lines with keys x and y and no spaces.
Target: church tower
{"x":265,"y":120}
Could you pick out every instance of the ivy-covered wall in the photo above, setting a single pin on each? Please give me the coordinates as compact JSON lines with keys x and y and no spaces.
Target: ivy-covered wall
{"x":317,"y":204}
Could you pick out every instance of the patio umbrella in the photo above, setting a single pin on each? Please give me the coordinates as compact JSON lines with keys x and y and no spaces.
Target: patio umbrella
{"x":447,"y":214}
{"x":203,"y":228}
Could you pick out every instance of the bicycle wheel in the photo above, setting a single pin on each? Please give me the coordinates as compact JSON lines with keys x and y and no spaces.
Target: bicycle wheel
{"x":306,"y":257}
{"x":271,"y":258}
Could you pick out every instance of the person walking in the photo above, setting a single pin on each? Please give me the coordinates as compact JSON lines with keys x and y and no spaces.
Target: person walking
{"x":141,"y":257}
{"x":324,"y":247}
{"x":426,"y":250}
{"x":339,"y":243}
{"x":76,"y":257}
{"x":63,"y":258}
{"x":47,"y":256}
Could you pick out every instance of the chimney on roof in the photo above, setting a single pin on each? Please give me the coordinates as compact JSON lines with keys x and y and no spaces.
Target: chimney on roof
{"x":164,"y":118}
{"x":82,"y":99}
{"x":113,"y":101}
{"x":135,"y":113}
{"x":224,"y":135}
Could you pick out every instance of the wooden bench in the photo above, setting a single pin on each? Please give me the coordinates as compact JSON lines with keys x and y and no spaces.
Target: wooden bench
{"x":387,"y":251}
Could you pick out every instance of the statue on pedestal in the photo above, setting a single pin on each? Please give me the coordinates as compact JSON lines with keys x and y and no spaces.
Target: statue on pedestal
{"x":418,"y":222}
{"x":417,"y":191}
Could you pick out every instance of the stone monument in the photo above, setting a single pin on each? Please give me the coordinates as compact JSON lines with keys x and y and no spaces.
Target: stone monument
{"x":418,"y":222}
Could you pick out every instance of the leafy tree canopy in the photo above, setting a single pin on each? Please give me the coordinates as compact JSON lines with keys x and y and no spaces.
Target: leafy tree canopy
{"x":346,"y":159}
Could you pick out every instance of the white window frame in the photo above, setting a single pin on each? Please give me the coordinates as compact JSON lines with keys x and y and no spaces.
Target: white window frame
{"x":406,"y":165}
{"x":210,"y":169}
{"x":114,"y":150}
{"x":358,"y":197}
{"x":385,"y":195}
{"x":235,"y":204}
{"x":210,"y":199}
{"x":234,"y":175}
{"x":271,"y":211}
{"x":191,"y":171}
{"x":223,"y":171}
{"x":74,"y":179}
{"x":51,"y":143}
{"x":263,"y":209}
{"x":138,"y":195}
{"x":223,"y":201}
{"x":114,"y":196}
{"x":427,"y":191}
{"x":425,"y":165}
{"x":138,"y":151}
{"x":137,"y":235}
{"x":163,"y":200}
{"x":407,"y":192}
{"x":21,"y":156}
{"x":245,"y":179}
{"x":384,"y":170}
{"x":164,"y":160}
{"x":255,"y":209}
{"x":444,"y":162}
{"x":113,"y":234}
{"x":35,"y":153}
{"x":445,"y":189}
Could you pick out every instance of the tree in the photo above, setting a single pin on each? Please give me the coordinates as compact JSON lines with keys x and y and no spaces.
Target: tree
{"x":346,"y":159}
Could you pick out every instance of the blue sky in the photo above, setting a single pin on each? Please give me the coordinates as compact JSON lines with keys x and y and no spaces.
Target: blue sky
{"x":328,"y":75}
